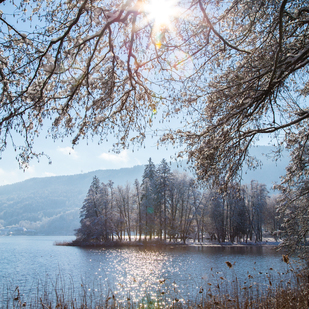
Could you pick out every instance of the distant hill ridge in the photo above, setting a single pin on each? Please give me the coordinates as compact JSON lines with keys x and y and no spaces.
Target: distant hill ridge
{"x":50,"y":205}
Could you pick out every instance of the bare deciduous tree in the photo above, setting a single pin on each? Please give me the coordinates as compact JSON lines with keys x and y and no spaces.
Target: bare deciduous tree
{"x":102,"y":67}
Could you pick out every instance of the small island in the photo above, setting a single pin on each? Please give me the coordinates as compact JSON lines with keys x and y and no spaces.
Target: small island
{"x":171,"y":209}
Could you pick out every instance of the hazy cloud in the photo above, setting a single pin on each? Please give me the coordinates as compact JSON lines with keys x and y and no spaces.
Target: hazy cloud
{"x":68,"y":151}
{"x":15,"y":175}
{"x":114,"y":157}
{"x":47,"y":174}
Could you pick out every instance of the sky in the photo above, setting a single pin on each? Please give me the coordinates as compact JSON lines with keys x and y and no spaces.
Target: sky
{"x":82,"y":159}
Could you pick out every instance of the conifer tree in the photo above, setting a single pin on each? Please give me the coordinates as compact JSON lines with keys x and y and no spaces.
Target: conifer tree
{"x":164,"y":178}
{"x":95,"y":214}
{"x":149,"y":198}
{"x":139,"y":209}
{"x":90,"y":212}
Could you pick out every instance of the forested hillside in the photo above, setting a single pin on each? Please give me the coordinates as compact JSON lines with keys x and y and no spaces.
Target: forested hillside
{"x":51,"y":205}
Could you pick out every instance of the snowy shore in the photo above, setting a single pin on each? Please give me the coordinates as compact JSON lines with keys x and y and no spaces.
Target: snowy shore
{"x":156,"y":242}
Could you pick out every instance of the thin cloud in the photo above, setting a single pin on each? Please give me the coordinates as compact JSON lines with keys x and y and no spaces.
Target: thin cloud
{"x":68,"y":151}
{"x":112,"y":157}
{"x":47,"y":174}
{"x":12,"y":176}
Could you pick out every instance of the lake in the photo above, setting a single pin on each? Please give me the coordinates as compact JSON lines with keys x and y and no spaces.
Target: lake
{"x":37,"y":266}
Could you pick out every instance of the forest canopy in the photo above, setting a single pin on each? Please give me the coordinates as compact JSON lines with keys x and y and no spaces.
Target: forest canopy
{"x":233,"y":71}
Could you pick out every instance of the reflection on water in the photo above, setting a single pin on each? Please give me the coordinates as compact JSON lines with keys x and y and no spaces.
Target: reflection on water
{"x":132,"y":273}
{"x":181,"y":272}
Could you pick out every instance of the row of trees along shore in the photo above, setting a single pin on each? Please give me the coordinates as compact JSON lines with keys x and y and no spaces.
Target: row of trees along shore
{"x":170,"y":206}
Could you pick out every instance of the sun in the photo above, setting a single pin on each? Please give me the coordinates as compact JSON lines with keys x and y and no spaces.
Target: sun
{"x":161,"y":12}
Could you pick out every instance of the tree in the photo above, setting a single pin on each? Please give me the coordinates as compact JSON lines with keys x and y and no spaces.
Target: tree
{"x":148,"y":198}
{"x":293,"y":203}
{"x":110,"y":185}
{"x":189,"y":211}
{"x":259,"y":72}
{"x":123,"y":202}
{"x":234,"y":70}
{"x":95,"y":214}
{"x":236,"y":212}
{"x":216,"y":205}
{"x":85,"y":67}
{"x":90,"y":213}
{"x":198,"y":206}
{"x":273,"y":223}
{"x":139,"y":210}
{"x":162,"y":185}
{"x":174,"y":197}
{"x":92,"y":204}
{"x":106,"y":211}
{"x":185,"y":220}
{"x":256,"y":200}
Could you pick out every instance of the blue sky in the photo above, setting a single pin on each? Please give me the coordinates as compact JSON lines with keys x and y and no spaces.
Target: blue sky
{"x":83,"y":158}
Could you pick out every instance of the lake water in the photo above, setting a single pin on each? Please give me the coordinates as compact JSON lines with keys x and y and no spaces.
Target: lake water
{"x":36,"y":266}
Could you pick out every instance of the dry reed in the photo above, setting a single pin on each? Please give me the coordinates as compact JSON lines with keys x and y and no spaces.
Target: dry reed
{"x":278,"y":294}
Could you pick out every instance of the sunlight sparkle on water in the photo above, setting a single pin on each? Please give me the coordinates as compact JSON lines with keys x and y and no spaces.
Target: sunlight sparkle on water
{"x":137,"y":272}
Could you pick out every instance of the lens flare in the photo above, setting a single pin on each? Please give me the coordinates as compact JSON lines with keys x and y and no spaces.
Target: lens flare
{"x":161,"y":12}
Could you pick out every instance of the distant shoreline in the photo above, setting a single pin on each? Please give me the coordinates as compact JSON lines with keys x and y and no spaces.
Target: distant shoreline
{"x":159,"y":243}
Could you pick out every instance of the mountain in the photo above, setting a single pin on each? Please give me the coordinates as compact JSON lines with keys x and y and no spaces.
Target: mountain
{"x":51,"y":205}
